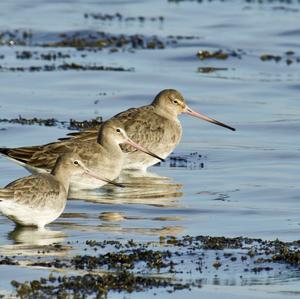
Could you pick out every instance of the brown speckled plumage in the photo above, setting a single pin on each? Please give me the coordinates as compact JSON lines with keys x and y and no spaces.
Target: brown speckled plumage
{"x":155,"y":126}
{"x":39,"y":199}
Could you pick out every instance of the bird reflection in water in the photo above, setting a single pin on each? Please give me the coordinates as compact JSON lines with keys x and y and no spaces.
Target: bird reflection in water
{"x":29,"y":240}
{"x":120,"y":223}
{"x":141,"y":188}
{"x":111,"y":222}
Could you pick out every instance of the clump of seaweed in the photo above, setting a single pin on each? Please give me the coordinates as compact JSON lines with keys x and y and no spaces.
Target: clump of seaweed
{"x":100,"y":40}
{"x":88,"y":40}
{"x":272,"y":1}
{"x":207,"y":69}
{"x":8,"y":261}
{"x":119,"y":17}
{"x":51,"y":55}
{"x":66,"y":67}
{"x":198,"y":1}
{"x":123,"y":260}
{"x":85,"y":124}
{"x":135,"y":264}
{"x":247,"y":1}
{"x":48,"y":122}
{"x":220,"y":54}
{"x":97,"y":286}
{"x":284,"y":253}
{"x":72,"y":124}
{"x":15,"y":37}
{"x":289,"y":57}
{"x":191,"y":160}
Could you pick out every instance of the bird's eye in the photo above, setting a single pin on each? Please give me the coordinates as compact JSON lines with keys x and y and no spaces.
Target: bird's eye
{"x":76,"y":163}
{"x":175,"y":102}
{"x":118,"y":130}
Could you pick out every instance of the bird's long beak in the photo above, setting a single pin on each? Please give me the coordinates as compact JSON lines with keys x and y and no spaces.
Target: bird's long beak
{"x":191,"y":112}
{"x":96,"y":176}
{"x":142,"y":149}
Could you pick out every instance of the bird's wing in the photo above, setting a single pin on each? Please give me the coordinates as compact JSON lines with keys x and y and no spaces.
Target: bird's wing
{"x":6,"y":194}
{"x":84,"y":135}
{"x":137,"y":125}
{"x":32,"y":190}
{"x":43,"y":156}
{"x":126,"y":117}
{"x":143,"y":126}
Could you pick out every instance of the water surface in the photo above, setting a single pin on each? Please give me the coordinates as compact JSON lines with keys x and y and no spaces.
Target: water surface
{"x":249,"y":182}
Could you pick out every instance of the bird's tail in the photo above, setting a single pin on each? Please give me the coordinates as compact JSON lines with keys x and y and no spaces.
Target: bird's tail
{"x":6,"y":193}
{"x":4,"y":151}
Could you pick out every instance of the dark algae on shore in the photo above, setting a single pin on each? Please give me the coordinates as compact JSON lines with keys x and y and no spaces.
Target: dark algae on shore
{"x":97,"y":286}
{"x":142,"y":266}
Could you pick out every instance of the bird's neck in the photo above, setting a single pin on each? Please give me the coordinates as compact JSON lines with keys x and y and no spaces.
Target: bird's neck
{"x":171,"y":115}
{"x":63,"y":176}
{"x":110,"y":146}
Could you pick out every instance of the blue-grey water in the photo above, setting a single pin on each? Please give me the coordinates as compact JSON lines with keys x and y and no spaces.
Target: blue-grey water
{"x":249,"y":182}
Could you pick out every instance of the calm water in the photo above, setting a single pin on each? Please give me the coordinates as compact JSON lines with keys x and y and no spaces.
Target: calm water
{"x":249,"y":184}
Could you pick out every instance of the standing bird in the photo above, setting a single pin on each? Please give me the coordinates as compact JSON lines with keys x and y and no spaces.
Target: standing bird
{"x":155,"y":126}
{"x":37,"y":200}
{"x":101,"y":154}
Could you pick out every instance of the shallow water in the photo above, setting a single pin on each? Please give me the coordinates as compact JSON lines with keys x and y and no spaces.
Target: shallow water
{"x":249,"y":182}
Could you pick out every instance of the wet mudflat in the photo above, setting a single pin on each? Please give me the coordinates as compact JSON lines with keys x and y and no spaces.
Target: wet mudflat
{"x":236,"y":61}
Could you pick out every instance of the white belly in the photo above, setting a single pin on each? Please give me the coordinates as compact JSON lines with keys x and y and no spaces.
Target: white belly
{"x":27,"y":216}
{"x":141,"y":161}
